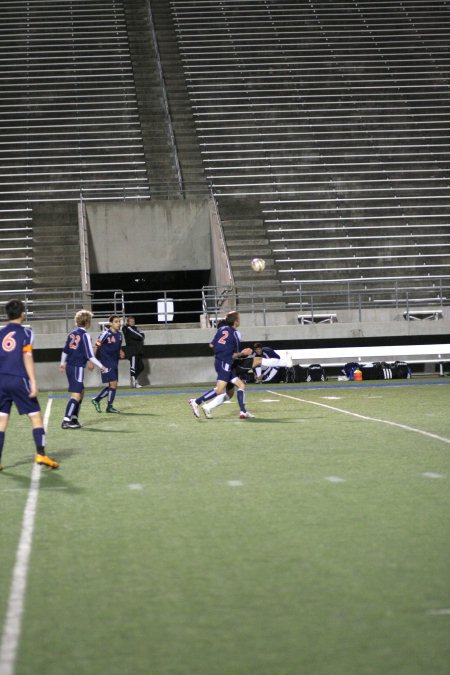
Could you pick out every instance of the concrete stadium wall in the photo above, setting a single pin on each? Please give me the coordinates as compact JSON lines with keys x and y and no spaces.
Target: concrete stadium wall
{"x":181,"y":356}
{"x":162,"y":235}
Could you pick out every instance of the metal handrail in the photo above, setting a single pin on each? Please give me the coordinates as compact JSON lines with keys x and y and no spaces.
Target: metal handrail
{"x":191,"y":304}
{"x":164,"y":97}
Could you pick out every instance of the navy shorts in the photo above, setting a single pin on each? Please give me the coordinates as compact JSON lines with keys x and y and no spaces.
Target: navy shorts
{"x":224,"y":371}
{"x":75,"y":378}
{"x":17,"y":390}
{"x":111,"y":375}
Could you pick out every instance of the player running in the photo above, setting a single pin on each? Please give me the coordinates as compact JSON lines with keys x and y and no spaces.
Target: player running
{"x":265,"y":358}
{"x":227,"y":347}
{"x":18,"y":383}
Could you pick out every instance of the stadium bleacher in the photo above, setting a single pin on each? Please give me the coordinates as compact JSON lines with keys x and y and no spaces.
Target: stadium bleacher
{"x":333,"y":119}
{"x":69,"y":122}
{"x":322,"y":132}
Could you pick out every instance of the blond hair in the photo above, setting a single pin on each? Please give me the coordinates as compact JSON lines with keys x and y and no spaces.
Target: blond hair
{"x":83,"y":318}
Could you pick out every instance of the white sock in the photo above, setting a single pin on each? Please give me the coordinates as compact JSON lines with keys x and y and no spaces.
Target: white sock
{"x":278,"y":363}
{"x":218,"y":400}
{"x":273,"y":363}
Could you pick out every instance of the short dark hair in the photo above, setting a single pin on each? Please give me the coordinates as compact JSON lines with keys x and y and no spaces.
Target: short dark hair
{"x":231,"y":317}
{"x":257,"y":345}
{"x":14,"y":309}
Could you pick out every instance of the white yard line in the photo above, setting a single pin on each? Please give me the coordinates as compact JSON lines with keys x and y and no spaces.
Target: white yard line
{"x":14,"y":613}
{"x":363,"y":417}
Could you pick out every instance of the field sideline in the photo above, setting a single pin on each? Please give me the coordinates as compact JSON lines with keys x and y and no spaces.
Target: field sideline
{"x":310,"y":540}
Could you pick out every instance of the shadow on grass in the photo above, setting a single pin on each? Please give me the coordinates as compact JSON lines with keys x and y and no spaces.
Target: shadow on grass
{"x":95,"y":430}
{"x":50,"y":478}
{"x":263,"y":420}
{"x":134,"y":414}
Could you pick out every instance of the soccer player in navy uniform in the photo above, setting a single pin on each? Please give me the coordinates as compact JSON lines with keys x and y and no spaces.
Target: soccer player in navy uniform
{"x":18,"y":380}
{"x":227,"y":347}
{"x":76,"y":353}
{"x":265,"y":358}
{"x":266,"y":373}
{"x":109,"y":349}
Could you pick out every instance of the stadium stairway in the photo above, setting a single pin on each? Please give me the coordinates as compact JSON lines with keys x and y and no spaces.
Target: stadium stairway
{"x":246,"y":237}
{"x":160,"y":150}
{"x":185,"y":139}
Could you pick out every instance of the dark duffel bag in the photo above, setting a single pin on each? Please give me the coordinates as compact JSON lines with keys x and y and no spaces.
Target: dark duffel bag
{"x":315,"y":373}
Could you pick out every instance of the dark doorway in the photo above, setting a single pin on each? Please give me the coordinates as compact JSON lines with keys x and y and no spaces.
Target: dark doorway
{"x":142,"y":290}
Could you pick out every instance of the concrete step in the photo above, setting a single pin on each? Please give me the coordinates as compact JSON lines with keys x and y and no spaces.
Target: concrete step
{"x":68,"y":281}
{"x":248,"y":275}
{"x":244,"y":260}
{"x":241,"y":238}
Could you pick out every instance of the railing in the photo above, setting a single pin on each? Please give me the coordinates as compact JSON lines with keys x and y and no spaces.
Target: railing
{"x":63,"y":305}
{"x":164,"y":97}
{"x":204,"y":306}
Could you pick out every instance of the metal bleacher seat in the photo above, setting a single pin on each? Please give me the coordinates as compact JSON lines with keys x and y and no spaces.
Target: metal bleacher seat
{"x":15,"y":248}
{"x":69,"y":118}
{"x":334,"y":121}
{"x":69,"y":122}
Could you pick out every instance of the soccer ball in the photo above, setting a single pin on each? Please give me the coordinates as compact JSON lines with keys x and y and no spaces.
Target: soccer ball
{"x":258,"y":264}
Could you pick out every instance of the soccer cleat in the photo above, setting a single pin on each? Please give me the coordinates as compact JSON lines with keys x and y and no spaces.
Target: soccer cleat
{"x":207,"y":412}
{"x":47,"y":461}
{"x":111,"y":409}
{"x":245,"y":415}
{"x":96,"y":405}
{"x":137,"y":385}
{"x":1,"y":467}
{"x":194,"y":407}
{"x":70,"y":424}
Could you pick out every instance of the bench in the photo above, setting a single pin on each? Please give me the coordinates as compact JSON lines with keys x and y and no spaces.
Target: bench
{"x":423,"y":314}
{"x":316,"y":318}
{"x":339,"y":356}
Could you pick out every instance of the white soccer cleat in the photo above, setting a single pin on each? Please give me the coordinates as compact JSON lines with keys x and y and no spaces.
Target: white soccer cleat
{"x":245,"y":415}
{"x":194,"y":407}
{"x":137,"y":385}
{"x":207,"y":412}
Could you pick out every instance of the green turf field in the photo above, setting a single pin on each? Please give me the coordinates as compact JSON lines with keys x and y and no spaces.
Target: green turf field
{"x":306,"y":541}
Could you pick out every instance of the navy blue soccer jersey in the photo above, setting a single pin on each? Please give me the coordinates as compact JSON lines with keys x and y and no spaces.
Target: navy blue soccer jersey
{"x":109,"y":345}
{"x":226,"y":342}
{"x":269,"y":353}
{"x":78,"y":347}
{"x":15,"y":340}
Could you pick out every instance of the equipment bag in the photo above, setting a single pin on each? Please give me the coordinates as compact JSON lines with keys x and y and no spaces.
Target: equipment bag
{"x":296,"y":374}
{"x":315,"y":373}
{"x":372,"y":371}
{"x":400,"y":370}
{"x":387,"y":370}
{"x":350,"y":368}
